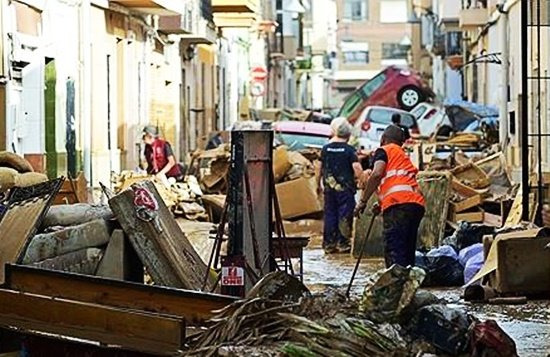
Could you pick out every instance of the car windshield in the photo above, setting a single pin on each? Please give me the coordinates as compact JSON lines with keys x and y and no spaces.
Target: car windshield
{"x":301,"y":141}
{"x":353,"y":101}
{"x":383,"y":116}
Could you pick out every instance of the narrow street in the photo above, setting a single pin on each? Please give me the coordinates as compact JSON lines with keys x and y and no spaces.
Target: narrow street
{"x":202,"y":178}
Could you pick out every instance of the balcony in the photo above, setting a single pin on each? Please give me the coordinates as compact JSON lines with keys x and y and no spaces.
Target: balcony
{"x":156,"y":7}
{"x":177,"y":24}
{"x":473,"y":18}
{"x":234,"y":19}
{"x":235,"y":6}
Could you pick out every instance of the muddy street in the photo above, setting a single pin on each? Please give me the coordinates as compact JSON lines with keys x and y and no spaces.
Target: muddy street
{"x":528,"y":325}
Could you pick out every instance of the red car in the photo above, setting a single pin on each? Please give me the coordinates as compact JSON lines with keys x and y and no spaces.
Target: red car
{"x":393,"y":87}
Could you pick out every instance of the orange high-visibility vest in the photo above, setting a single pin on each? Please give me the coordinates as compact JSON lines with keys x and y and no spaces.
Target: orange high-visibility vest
{"x":399,"y":184}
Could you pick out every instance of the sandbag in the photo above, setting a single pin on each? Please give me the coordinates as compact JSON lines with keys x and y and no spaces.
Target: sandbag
{"x":444,"y":327}
{"x":75,"y":214}
{"x":14,"y":161}
{"x":30,"y":179}
{"x":8,"y":177}
{"x":465,"y":254}
{"x":473,"y":266}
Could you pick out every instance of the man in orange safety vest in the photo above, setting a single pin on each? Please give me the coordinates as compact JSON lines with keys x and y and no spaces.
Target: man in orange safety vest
{"x":393,"y":177}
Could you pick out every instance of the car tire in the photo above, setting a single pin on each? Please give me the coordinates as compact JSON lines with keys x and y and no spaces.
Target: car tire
{"x":409,"y":97}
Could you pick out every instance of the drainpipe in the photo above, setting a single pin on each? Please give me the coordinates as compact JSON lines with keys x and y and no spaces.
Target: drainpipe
{"x":86,"y":87}
{"x":505,"y":74}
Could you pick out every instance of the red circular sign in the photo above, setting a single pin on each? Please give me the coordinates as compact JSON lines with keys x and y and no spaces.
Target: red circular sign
{"x":258,"y":73}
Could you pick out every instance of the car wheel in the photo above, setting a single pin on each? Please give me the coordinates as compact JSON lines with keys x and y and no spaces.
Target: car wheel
{"x":409,"y":97}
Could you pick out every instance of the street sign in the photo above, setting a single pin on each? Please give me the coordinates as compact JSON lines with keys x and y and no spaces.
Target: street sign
{"x":258,"y":73}
{"x":257,"y":88}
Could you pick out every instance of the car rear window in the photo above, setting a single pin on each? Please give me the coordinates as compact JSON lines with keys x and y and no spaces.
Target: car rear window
{"x":383,"y":116}
{"x":354,"y":100}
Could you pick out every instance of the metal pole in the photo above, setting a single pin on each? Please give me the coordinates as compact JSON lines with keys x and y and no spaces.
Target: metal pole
{"x":539,"y":113}
{"x":525,"y":108}
{"x":505,"y":49}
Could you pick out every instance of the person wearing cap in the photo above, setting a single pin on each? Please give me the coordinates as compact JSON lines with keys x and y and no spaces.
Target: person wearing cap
{"x":336,"y":179}
{"x":396,"y":120}
{"x":159,"y":155}
{"x":393,"y":177}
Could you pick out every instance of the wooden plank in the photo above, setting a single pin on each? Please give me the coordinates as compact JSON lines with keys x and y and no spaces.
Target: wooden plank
{"x":158,"y":240}
{"x":472,"y":217}
{"x":120,"y":260}
{"x":468,"y":203}
{"x":191,"y":305}
{"x":24,"y":213}
{"x":463,"y":190}
{"x":137,"y":331}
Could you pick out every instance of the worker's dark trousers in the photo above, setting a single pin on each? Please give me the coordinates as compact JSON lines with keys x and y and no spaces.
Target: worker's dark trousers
{"x":401,"y":224}
{"x":338,"y":218}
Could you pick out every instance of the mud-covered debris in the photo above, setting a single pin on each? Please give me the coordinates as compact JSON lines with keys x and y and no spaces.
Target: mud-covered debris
{"x":279,"y":286}
{"x":390,"y":291}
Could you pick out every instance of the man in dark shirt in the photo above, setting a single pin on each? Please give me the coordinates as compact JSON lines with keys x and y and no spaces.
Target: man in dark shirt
{"x":396,"y":120}
{"x":339,"y":168}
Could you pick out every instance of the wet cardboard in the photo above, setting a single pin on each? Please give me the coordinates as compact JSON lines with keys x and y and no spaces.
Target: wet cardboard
{"x":298,"y":198}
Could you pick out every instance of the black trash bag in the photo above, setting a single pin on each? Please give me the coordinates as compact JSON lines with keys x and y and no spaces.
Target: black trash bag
{"x":444,"y":327}
{"x":440,"y":271}
{"x":467,"y":234}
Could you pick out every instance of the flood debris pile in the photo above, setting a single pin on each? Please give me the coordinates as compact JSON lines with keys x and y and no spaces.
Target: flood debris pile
{"x":392,"y":318}
{"x":184,"y":199}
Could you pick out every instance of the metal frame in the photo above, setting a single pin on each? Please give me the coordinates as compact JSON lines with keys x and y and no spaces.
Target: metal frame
{"x":531,"y":138}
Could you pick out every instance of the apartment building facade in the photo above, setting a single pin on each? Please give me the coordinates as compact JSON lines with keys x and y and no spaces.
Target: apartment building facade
{"x":79,"y":79}
{"x":371,"y":35}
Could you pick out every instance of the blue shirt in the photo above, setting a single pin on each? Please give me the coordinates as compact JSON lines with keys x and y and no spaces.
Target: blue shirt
{"x":337,"y":159}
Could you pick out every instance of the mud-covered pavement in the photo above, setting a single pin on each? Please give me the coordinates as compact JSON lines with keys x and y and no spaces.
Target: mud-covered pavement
{"x":528,"y":325}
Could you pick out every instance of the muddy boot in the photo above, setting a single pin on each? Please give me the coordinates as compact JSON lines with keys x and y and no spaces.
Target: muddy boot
{"x":344,"y":248}
{"x":330,"y":249}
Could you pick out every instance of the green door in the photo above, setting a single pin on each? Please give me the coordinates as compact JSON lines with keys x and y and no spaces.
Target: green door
{"x":49,"y":103}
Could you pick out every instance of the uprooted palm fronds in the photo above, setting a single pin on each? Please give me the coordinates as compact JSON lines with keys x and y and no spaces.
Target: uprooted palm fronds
{"x":297,"y":329}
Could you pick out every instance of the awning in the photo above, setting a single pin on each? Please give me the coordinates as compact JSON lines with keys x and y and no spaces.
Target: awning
{"x":157,"y":7}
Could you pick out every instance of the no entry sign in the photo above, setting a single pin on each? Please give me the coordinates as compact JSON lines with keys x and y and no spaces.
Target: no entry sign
{"x":258,"y":73}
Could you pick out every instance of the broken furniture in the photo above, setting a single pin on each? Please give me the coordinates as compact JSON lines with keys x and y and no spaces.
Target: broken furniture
{"x":21,"y":218}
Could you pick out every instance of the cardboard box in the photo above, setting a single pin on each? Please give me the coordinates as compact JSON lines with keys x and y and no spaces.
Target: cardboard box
{"x":298,"y":198}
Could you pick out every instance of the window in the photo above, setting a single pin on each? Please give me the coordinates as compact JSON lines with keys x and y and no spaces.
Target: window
{"x":355,"y":10}
{"x":393,"y":11}
{"x":392,"y":51}
{"x":356,"y":57}
{"x":383,"y":116}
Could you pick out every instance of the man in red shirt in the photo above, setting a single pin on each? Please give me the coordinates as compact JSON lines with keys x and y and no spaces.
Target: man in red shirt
{"x":159,"y":155}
